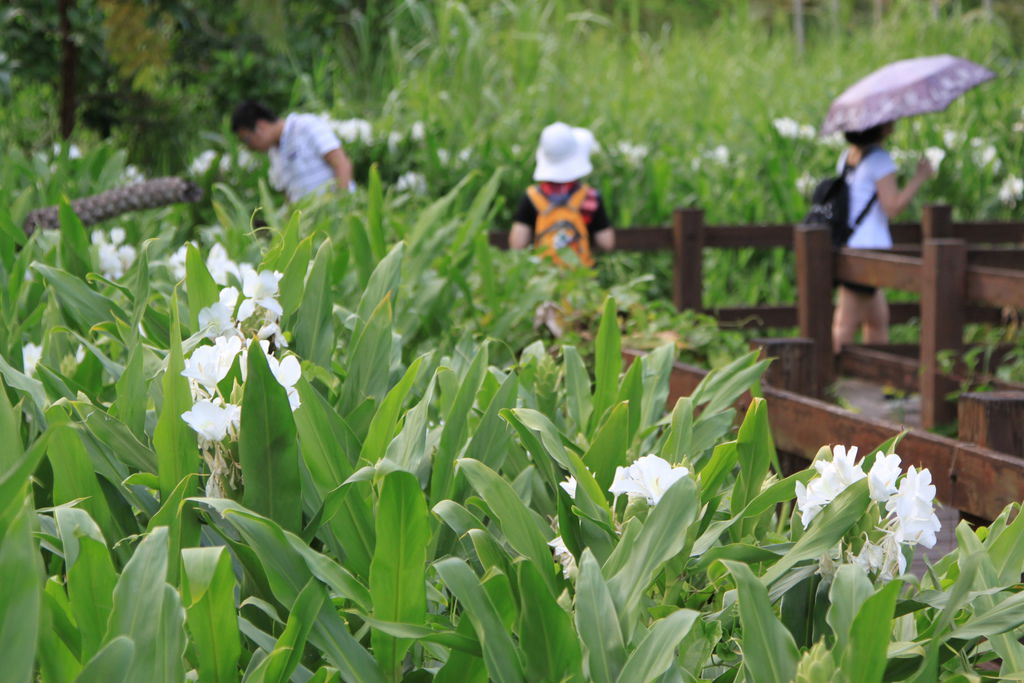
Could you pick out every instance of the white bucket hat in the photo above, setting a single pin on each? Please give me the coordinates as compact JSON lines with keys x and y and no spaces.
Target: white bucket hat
{"x":563,"y":154}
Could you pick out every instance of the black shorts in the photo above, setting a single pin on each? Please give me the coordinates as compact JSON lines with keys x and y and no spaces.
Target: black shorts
{"x":866,"y":290}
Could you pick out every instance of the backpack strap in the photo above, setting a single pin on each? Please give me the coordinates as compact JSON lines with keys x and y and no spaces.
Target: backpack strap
{"x":540,"y":202}
{"x":871,"y":202}
{"x":576,"y":199}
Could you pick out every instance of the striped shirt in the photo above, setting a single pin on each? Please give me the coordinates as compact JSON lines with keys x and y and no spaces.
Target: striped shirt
{"x":297,"y":165}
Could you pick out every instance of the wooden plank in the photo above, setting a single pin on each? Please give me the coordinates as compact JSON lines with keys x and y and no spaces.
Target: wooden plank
{"x":688,"y":258}
{"x":993,"y":419}
{"x":814,"y":295}
{"x":643,"y":239}
{"x":970,"y":478}
{"x":757,"y":317}
{"x":995,"y":286}
{"x":757,"y":235}
{"x":989,"y":232}
{"x":879,"y":366}
{"x":878,"y":269}
{"x":944,"y":268}
{"x":793,"y":363}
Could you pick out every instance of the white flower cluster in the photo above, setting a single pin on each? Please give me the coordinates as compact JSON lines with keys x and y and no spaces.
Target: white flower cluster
{"x":115,"y":257}
{"x":648,"y":477}
{"x":202,"y":162}
{"x":789,"y":128}
{"x":31,"y":354}
{"x":411,"y":182}
{"x":719,"y":155}
{"x":633,"y":153}
{"x":1011,"y":191}
{"x":806,"y":183}
{"x":351,"y":130}
{"x":909,"y":505}
{"x":417,"y":133}
{"x":985,"y":154}
{"x":935,"y":155}
{"x":563,"y":557}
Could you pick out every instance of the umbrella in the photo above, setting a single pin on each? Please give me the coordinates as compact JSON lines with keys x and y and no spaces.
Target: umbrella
{"x":904,"y":88}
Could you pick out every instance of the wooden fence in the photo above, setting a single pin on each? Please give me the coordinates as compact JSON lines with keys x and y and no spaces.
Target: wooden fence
{"x":978,"y":476}
{"x":954,"y":268}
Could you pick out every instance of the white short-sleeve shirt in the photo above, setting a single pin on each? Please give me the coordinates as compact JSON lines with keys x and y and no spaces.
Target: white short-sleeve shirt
{"x":873,"y":231}
{"x":297,"y":165}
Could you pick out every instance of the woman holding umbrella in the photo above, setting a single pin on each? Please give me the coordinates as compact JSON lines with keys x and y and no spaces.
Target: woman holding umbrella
{"x":865,"y":112}
{"x":875,"y":197}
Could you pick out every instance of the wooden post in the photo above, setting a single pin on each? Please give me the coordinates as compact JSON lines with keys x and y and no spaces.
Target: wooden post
{"x":936,"y":222}
{"x":993,"y":419}
{"x":688,"y":255}
{"x":814,"y":268}
{"x":943,"y":289}
{"x":794,"y":367}
{"x":798,"y":26}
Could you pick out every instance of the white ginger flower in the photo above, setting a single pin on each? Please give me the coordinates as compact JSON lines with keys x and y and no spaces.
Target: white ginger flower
{"x":952,"y":138}
{"x":833,"y":478}
{"x":211,"y":421}
{"x":220,"y":266}
{"x":1012,"y":190}
{"x":273,"y":331}
{"x":913,"y":509}
{"x":418,"y":132}
{"x":648,"y":477}
{"x":261,"y":289}
{"x":287,"y":372}
{"x":353,"y":130}
{"x":176,"y":262}
{"x":569,"y":486}
{"x":411,"y":182}
{"x":208,"y":365}
{"x":201,"y":164}
{"x":883,"y":475}
{"x":117,"y":235}
{"x":563,"y":557}
{"x":218,"y":318}
{"x":395,"y":140}
{"x":805,"y":183}
{"x":935,"y":155}
{"x":634,"y":153}
{"x":789,"y":128}
{"x":31,"y":354}
{"x":443,"y":156}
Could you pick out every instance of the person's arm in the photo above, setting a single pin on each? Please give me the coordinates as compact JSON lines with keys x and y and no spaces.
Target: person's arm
{"x":605,"y":239}
{"x":520,"y":236}
{"x":342,"y":167}
{"x":892,"y":199}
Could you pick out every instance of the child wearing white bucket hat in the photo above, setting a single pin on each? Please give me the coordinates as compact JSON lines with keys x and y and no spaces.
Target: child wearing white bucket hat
{"x":559,"y":211}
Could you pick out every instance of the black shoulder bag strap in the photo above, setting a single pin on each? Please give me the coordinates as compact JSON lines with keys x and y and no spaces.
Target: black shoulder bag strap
{"x":867,"y":207}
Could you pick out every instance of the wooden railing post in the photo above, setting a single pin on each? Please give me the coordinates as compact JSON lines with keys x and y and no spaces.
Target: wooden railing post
{"x":993,"y":419}
{"x":814,"y":268}
{"x":794,"y":367}
{"x":687,"y":257}
{"x":937,"y":222}
{"x":943,"y":290}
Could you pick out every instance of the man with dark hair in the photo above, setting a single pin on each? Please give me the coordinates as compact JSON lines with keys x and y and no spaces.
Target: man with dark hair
{"x":305,"y":154}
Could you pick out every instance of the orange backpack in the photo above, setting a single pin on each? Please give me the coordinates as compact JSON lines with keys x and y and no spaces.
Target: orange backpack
{"x":560,"y":224}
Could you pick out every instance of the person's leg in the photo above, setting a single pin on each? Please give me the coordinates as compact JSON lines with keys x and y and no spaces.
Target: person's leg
{"x":846,"y":318}
{"x":876,"y":319}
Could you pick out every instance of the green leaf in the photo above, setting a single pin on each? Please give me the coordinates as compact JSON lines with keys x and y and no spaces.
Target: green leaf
{"x":113,"y":664}
{"x":148,"y":610}
{"x":755,"y":453}
{"x":870,"y":634}
{"x":825,"y":531}
{"x":607,"y":363}
{"x":375,"y":214}
{"x":314,"y":327}
{"x":130,"y":394}
{"x":201,"y":288}
{"x":608,"y":448}
{"x":453,"y":436}
{"x":577,"y":387}
{"x":279,"y":665}
{"x":597,"y":623}
{"x":267,"y":446}
{"x":769,"y":653}
{"x":398,"y":571}
{"x":516,"y":520}
{"x":208,"y":591}
{"x":91,"y":577}
{"x":850,"y":588}
{"x":174,"y":441}
{"x":83,"y":306}
{"x":498,"y":649}
{"x":385,"y":420}
{"x":656,"y":651}
{"x":547,"y":639}
{"x":293,"y":282}
{"x":21,"y":575}
{"x":74,"y":242}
